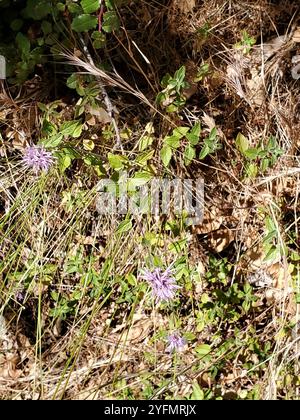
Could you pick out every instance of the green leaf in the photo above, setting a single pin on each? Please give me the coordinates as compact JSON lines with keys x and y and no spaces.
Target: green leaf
{"x":180,"y":132}
{"x":124,"y":226}
{"x":172,"y":141}
{"x":213,"y":134}
{"x":145,"y":142}
{"x":265,"y":163}
{"x":46,"y":27}
{"x":172,"y":108}
{"x":90,"y":6}
{"x":71,"y":128}
{"x":242,"y":143}
{"x":251,"y":170}
{"x":110,"y":4}
{"x":203,"y":349}
{"x":166,"y":154}
{"x":116,"y":161}
{"x":37,"y":9}
{"x":143,"y":158}
{"x":72,"y":81}
{"x":23,"y":43}
{"x":272,"y":254}
{"x":16,"y":24}
{"x":139,"y":179}
{"x":52,"y":141}
{"x":189,"y":154}
{"x":84,"y":22}
{"x":110,"y":22}
{"x":270,"y":224}
{"x":64,"y":161}
{"x":61,"y":7}
{"x":204,"y":151}
{"x":198,"y":393}
{"x":75,"y":8}
{"x":99,"y":39}
{"x":179,"y":75}
{"x":194,"y":134}
{"x":251,"y":153}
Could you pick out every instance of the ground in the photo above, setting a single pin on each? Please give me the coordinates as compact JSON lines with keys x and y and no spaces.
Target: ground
{"x":183,"y":89}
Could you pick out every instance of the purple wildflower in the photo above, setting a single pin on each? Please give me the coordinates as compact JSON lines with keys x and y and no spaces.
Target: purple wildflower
{"x":163,"y":283}
{"x":175,"y":342}
{"x":20,"y":296}
{"x":37,"y":158}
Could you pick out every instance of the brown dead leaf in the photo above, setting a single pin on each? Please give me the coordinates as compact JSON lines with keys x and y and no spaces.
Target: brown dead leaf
{"x":281,"y":276}
{"x":100,"y":113}
{"x":185,"y":6}
{"x":8,"y":369}
{"x":136,"y":332}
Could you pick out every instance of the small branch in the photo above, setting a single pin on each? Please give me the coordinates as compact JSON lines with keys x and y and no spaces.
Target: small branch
{"x":100,"y":16}
{"x":106,"y":99}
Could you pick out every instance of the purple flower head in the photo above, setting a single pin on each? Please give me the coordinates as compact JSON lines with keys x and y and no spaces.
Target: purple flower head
{"x":175,"y":342}
{"x":162,"y":282}
{"x":20,"y":296}
{"x":37,"y":158}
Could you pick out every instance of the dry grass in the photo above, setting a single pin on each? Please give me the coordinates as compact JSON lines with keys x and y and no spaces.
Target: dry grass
{"x":111,"y":342}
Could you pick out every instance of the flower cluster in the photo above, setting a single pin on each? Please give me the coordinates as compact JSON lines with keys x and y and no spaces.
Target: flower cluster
{"x":162,"y":282}
{"x":175,"y":342}
{"x":37,"y":158}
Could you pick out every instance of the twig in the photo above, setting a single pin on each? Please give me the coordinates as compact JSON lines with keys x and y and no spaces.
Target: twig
{"x":107,"y":101}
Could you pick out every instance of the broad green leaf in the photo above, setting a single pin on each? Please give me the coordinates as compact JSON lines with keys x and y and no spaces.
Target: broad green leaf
{"x":90,"y":6}
{"x":16,"y":24}
{"x":264,"y":165}
{"x":110,"y":22}
{"x":204,"y":151}
{"x":180,"y":75}
{"x":172,"y":141}
{"x":194,"y":134}
{"x":198,"y":393}
{"x":143,"y":158}
{"x":61,"y":7}
{"x":203,"y":349}
{"x":166,"y":154}
{"x":172,"y":108}
{"x":37,"y":9}
{"x":213,"y":134}
{"x":23,"y":43}
{"x":124,"y":226}
{"x":72,"y":81}
{"x":139,"y":179}
{"x":99,"y":39}
{"x":251,"y":170}
{"x":251,"y":153}
{"x":272,"y":254}
{"x":64,"y":161}
{"x":84,"y":23}
{"x":242,"y":143}
{"x":189,"y":154}
{"x":145,"y":142}
{"x":46,"y":27}
{"x":270,"y":224}
{"x":52,"y":141}
{"x":71,"y":128}
{"x":116,"y":161}
{"x":180,"y":132}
